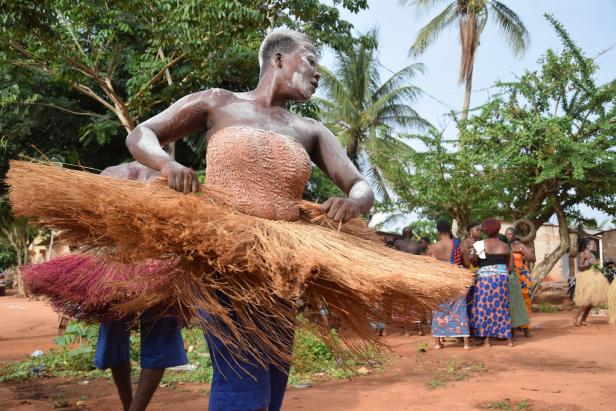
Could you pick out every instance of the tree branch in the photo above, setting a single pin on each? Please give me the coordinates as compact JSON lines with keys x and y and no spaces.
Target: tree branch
{"x":155,"y":78}
{"x":541,"y":270}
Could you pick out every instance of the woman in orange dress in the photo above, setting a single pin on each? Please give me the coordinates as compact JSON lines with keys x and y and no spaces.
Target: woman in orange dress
{"x":522,"y":256}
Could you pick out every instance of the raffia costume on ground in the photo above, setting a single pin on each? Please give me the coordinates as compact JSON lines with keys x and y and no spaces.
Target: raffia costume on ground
{"x":247,"y":235}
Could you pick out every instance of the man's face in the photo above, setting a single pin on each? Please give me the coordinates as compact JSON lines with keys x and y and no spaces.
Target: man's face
{"x":300,"y":70}
{"x":510,"y":234}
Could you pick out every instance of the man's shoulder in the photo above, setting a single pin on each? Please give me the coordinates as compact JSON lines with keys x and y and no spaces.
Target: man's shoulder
{"x":210,"y":96}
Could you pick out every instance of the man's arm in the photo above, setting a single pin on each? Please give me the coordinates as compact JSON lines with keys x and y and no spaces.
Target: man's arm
{"x":187,"y":116}
{"x":330,"y":157}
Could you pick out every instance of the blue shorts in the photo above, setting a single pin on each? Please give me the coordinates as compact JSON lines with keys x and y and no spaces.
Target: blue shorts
{"x":161,"y":344}
{"x":244,"y":384}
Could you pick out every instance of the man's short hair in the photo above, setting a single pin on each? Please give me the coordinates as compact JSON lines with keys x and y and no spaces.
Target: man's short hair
{"x":280,"y":41}
{"x":443,"y":226}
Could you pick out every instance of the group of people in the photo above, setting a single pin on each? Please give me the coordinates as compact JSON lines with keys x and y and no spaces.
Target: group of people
{"x":499,"y":301}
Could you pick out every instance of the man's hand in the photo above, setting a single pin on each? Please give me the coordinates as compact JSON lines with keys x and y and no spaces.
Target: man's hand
{"x":179,"y":177}
{"x":341,"y":209}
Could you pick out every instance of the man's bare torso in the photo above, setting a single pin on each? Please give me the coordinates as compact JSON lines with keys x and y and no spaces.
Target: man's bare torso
{"x":441,"y":250}
{"x":227,"y":109}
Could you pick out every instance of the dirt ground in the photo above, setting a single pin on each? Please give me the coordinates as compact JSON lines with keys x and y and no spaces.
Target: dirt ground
{"x":559,"y":368}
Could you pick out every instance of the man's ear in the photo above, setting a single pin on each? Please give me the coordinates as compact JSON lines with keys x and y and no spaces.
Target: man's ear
{"x":278,"y":60}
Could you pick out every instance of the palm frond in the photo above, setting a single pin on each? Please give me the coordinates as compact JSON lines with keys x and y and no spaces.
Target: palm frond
{"x":512,"y":27}
{"x":421,"y":6}
{"x":400,"y":78}
{"x":430,"y":32}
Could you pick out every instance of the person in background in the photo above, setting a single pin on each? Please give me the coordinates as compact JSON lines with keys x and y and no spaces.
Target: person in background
{"x":489,"y":314}
{"x":424,"y":242}
{"x":523,"y":256}
{"x":591,"y":286}
{"x":466,"y":247}
{"x":452,"y":318}
{"x":161,"y":337}
{"x":406,"y":243}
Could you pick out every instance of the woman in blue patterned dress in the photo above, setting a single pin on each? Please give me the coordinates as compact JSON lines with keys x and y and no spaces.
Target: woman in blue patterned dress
{"x":489,"y":314}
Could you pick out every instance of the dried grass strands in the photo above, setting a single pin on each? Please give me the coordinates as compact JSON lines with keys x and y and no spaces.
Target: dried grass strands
{"x":591,"y":288}
{"x":87,"y":287}
{"x":260,"y":262}
{"x":611,"y":302}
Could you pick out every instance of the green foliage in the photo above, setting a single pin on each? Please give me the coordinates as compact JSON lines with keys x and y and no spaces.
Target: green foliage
{"x":545,"y":307}
{"x":135,"y":58}
{"x":508,"y":405}
{"x":320,"y":187}
{"x":363,"y":112}
{"x":74,"y":357}
{"x":543,"y":141}
{"x":454,"y":370}
{"x":549,"y":135}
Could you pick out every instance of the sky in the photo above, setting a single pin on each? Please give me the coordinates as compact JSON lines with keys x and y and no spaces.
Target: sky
{"x":590,"y":23}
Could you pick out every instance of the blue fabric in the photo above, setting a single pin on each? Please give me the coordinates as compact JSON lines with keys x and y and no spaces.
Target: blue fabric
{"x":161,"y":343}
{"x":243,"y":384}
{"x":489,"y":314}
{"x":451,"y":320}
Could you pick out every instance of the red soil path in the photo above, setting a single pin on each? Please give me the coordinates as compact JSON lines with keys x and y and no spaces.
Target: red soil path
{"x":560,"y":368}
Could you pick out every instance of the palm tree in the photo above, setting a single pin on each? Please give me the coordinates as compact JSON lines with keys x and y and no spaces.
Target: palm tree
{"x":365,"y":113}
{"x":472,"y":16}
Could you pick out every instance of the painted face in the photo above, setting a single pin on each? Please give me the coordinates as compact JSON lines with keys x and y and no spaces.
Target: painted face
{"x":592,"y":246}
{"x":301,"y":69}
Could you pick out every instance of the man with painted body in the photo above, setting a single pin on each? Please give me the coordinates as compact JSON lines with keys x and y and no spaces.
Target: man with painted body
{"x":161,"y":338}
{"x":288,"y":62}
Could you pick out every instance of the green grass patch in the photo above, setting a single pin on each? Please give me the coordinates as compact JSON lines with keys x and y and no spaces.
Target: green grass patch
{"x":73,"y":357}
{"x":508,"y":405}
{"x":545,"y":307}
{"x":454,"y":370}
{"x":435,"y":383}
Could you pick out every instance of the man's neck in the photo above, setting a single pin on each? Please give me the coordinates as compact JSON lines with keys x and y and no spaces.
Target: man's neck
{"x":445,"y":237}
{"x":266,"y":93}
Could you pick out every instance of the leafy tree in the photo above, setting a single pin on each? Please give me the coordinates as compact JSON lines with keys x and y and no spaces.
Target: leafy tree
{"x":540,"y":147}
{"x":443,"y":180}
{"x":364,"y":112}
{"x":552,"y":134}
{"x":134,"y":58}
{"x":471,"y":16}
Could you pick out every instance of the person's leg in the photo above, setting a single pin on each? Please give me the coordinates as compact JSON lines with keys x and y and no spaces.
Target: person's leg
{"x":585,"y":314}
{"x":121,"y":379}
{"x":113,"y":351}
{"x":579,"y":314}
{"x":467,"y":344}
{"x":437,"y":343}
{"x":486,"y":342}
{"x":161,"y":347}
{"x":148,"y":383}
{"x":278,"y":384}
{"x":237,"y":384}
{"x":527,"y":333}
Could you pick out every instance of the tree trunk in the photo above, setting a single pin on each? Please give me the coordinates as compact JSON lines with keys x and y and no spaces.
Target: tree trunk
{"x":161,"y":55}
{"x":353,"y":150}
{"x":542,"y":269}
{"x":467,"y":96}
